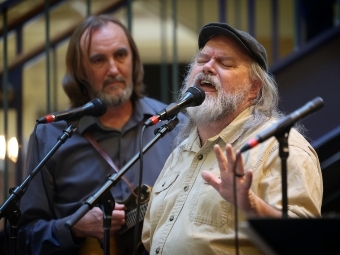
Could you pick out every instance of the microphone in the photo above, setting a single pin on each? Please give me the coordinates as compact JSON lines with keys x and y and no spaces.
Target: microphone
{"x":95,"y":108}
{"x":194,"y":96}
{"x":286,"y":122}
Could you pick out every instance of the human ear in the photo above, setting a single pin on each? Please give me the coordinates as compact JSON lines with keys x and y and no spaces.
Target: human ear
{"x":255,"y":87}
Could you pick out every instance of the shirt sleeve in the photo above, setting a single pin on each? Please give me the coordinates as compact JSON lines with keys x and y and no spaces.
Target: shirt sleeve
{"x":304,"y":178}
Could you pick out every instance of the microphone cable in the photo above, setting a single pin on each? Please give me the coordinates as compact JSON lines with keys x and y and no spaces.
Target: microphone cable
{"x":136,"y":234}
{"x":238,"y":154}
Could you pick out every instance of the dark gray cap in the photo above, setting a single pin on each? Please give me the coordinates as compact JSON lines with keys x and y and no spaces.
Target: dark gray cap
{"x":255,"y":49}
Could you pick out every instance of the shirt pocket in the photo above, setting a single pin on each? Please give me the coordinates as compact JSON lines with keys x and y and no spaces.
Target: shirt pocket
{"x":165,"y":183}
{"x":208,"y":207}
{"x":160,"y":191}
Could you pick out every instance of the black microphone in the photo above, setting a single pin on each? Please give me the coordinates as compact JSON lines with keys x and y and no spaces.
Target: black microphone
{"x":95,"y":108}
{"x":194,"y":96}
{"x":283,"y":124}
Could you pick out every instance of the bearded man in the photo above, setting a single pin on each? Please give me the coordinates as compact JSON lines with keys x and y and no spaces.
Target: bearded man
{"x":102,"y":62}
{"x":191,"y":210}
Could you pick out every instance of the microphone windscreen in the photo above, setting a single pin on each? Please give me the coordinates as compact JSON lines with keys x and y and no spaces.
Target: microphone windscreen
{"x":99,"y":107}
{"x":198,"y":93}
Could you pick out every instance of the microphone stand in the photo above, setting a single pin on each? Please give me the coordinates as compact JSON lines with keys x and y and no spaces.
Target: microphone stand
{"x":9,"y":208}
{"x":283,"y":154}
{"x":103,"y":196}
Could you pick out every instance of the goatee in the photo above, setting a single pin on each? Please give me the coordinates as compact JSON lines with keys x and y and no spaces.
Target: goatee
{"x":115,"y":99}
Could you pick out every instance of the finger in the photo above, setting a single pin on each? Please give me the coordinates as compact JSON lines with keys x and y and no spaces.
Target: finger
{"x":118,"y":219}
{"x":116,"y":226}
{"x":211,"y":179}
{"x":119,"y":206}
{"x":221,"y":158}
{"x":117,"y":223}
{"x":249,"y":179}
{"x":230,"y":157}
{"x":118,"y":214}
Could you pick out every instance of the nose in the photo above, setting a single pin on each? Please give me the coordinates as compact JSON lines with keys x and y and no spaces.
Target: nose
{"x":112,"y":69}
{"x":208,"y":67}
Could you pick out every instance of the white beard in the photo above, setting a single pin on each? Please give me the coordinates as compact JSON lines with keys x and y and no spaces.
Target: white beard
{"x":215,"y":108}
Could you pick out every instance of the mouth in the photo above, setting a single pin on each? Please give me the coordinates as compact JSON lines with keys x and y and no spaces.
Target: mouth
{"x":206,"y":85}
{"x":114,"y":84}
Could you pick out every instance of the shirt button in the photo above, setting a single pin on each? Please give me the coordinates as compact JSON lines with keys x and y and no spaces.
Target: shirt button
{"x":157,"y":250}
{"x":186,"y":188}
{"x":163,"y":184}
{"x":171,"y":218}
{"x":200,"y":156}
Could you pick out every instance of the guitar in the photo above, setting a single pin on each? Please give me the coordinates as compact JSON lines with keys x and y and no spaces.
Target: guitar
{"x":122,"y":242}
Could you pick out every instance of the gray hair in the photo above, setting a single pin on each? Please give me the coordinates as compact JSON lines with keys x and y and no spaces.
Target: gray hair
{"x":265,"y":104}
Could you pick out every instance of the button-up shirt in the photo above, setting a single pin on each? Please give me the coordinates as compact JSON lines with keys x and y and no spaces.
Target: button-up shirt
{"x":188,"y":216}
{"x":76,"y":171}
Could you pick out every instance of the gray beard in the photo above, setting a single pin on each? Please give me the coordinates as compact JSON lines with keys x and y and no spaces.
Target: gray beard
{"x":115,"y":100}
{"x":215,"y":108}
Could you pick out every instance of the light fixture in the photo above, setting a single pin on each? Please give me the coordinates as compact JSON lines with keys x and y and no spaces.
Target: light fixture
{"x":13,"y":148}
{"x":2,"y":147}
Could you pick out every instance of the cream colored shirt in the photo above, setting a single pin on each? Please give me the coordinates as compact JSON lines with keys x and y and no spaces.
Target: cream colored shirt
{"x":187,"y":216}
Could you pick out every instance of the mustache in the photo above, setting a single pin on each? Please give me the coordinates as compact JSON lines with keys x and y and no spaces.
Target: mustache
{"x":113,"y":79}
{"x":209,"y":78}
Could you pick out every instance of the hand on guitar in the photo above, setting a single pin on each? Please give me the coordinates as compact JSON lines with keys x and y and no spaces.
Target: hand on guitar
{"x":122,"y":243}
{"x":92,"y":222}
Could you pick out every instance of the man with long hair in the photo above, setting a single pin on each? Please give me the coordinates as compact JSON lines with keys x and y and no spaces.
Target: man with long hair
{"x":102,"y":62}
{"x":192,"y":206}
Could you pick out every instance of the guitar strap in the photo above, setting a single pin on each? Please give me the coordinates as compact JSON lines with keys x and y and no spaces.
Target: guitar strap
{"x":108,"y":159}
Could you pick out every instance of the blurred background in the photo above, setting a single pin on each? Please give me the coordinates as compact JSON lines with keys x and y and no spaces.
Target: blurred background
{"x":302,"y":38}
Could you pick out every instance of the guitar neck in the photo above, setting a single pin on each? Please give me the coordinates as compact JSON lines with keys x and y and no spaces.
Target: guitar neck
{"x":131,"y":218}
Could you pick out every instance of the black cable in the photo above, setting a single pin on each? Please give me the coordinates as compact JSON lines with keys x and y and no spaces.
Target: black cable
{"x":235,"y":204}
{"x":136,"y":234}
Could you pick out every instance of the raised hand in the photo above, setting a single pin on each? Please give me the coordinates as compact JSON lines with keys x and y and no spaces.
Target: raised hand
{"x":247,"y":201}
{"x":224,"y":185}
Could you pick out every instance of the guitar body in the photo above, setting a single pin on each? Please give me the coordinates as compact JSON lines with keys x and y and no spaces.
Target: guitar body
{"x":123,"y":242}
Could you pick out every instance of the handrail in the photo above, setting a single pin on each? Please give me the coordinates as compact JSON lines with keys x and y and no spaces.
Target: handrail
{"x":27,"y":16}
{"x":7,"y":4}
{"x":306,"y":49}
{"x":23,"y":58}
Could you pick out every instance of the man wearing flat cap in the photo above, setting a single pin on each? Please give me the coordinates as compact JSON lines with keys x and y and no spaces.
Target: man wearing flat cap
{"x":193,"y":207}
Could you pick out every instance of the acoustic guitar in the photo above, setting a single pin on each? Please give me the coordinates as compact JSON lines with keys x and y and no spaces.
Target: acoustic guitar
{"x":122,"y":243}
